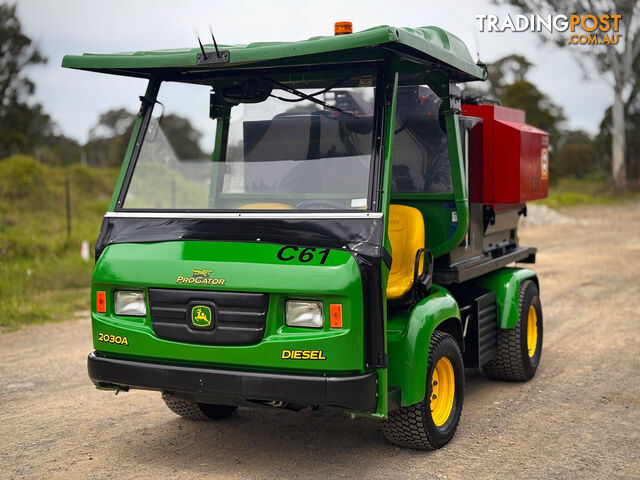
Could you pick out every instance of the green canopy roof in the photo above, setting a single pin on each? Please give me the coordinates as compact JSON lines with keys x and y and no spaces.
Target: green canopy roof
{"x":430,"y":44}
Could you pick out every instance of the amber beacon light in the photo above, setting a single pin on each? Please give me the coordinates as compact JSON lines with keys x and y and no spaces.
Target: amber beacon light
{"x":342,"y":28}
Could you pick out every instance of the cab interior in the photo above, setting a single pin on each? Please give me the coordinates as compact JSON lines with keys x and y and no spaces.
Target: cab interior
{"x":421,"y":190}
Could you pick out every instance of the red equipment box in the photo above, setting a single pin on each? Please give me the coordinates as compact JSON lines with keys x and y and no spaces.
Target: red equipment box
{"x":514,"y":157}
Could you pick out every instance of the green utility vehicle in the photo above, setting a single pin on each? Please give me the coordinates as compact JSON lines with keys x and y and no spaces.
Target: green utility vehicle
{"x":340,"y":235}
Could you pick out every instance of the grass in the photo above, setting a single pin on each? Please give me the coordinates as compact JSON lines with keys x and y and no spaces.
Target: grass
{"x":42,"y":277}
{"x":43,"y":289}
{"x":569,"y":191}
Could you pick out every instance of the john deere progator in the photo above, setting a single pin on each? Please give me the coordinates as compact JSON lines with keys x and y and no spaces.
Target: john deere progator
{"x":344,"y":234}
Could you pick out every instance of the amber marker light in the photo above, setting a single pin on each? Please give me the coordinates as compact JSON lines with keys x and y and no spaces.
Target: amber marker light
{"x":101,"y":302}
{"x":335,"y":315}
{"x":343,"y":28}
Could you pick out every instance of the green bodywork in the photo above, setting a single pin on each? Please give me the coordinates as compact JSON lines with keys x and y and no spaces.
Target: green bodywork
{"x":409,"y":333}
{"x":427,"y":42}
{"x":249,"y":267}
{"x":426,"y":55}
{"x":506,"y":283}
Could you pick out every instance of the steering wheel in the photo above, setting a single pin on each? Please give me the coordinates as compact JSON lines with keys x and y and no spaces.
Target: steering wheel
{"x":320,"y":205}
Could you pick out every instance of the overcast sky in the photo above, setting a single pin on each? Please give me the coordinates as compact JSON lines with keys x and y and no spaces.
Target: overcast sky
{"x":75,"y":98}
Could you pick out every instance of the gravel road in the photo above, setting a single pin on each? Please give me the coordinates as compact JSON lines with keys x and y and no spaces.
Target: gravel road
{"x":578,"y":418}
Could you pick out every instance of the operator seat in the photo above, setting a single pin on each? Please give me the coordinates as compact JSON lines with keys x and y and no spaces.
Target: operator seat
{"x":406,"y":233}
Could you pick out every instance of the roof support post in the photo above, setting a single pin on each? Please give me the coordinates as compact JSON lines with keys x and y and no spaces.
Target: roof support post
{"x":135,"y":142}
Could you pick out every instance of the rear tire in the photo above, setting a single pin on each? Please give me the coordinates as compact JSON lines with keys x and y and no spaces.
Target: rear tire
{"x":520,"y":347}
{"x":431,"y":423}
{"x":197,"y":411}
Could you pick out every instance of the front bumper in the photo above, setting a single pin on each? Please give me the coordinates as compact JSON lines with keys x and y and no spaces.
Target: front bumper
{"x":236,"y":387}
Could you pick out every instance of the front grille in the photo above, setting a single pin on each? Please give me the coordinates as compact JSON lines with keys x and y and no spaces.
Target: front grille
{"x":239,"y":318}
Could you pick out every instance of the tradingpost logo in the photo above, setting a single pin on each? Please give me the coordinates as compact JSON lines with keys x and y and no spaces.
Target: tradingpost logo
{"x":585,"y":29}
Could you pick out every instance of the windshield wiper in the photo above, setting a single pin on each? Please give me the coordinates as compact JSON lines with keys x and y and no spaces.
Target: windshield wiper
{"x":304,"y":96}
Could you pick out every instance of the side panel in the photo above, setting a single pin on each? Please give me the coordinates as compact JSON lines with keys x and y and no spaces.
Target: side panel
{"x":409,"y":334}
{"x":506,"y":284}
{"x":439,"y":213}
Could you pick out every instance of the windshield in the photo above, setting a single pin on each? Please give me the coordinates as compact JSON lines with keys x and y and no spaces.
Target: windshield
{"x":295,"y":148}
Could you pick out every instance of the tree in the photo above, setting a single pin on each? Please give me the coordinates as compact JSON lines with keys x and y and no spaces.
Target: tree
{"x":16,"y":52}
{"x":541,"y":111}
{"x":112,"y":123}
{"x":23,"y":127}
{"x":618,"y":60}
{"x":577,"y":156}
{"x":184,"y":138}
{"x":58,"y":150}
{"x":507,"y":83}
{"x":632,"y":115}
{"x":506,"y":71}
{"x":109,"y":138}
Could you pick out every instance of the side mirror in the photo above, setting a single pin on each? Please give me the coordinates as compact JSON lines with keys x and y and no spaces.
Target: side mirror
{"x":218,"y":108}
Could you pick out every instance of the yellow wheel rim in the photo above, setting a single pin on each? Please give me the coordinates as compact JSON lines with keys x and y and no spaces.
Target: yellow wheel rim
{"x":443,"y":389}
{"x":532,"y":331}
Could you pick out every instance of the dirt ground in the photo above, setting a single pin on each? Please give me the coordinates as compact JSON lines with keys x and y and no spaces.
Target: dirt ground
{"x":578,"y":418}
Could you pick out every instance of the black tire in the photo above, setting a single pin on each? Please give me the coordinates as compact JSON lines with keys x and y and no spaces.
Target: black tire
{"x":414,"y":426}
{"x":513,"y":362}
{"x":197,"y":411}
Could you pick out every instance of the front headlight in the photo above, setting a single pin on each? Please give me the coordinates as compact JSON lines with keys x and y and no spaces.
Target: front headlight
{"x":304,"y":313}
{"x":130,"y":304}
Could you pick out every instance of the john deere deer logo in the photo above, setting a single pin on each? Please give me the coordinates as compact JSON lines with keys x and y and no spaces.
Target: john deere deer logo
{"x":201,"y":273}
{"x":201,"y":316}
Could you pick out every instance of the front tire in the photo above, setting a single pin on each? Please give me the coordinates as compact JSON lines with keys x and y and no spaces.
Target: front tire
{"x":431,"y":423}
{"x":520,"y":347}
{"x":197,"y":411}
